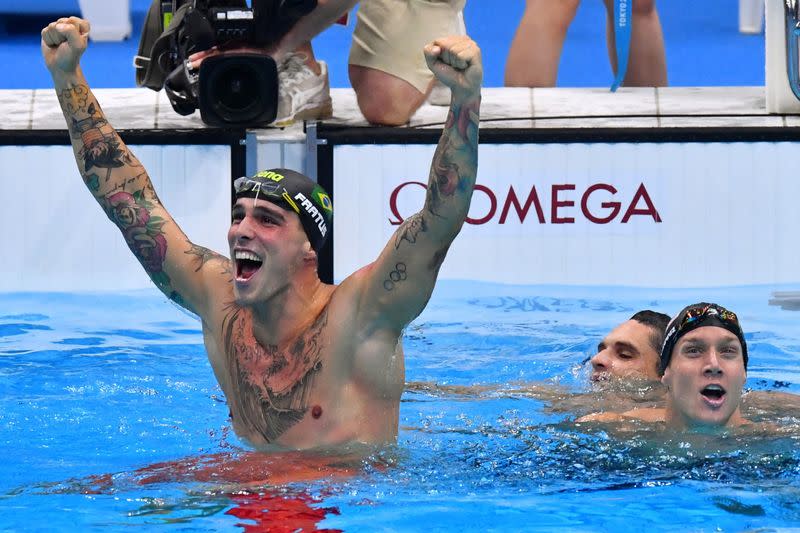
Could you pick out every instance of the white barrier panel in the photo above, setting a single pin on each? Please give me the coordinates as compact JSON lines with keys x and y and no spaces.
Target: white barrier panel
{"x":751,"y":16}
{"x":56,"y":238}
{"x":647,"y":215}
{"x":779,"y":95}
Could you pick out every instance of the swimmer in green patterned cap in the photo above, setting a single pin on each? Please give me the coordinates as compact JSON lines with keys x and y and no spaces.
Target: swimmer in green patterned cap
{"x":294,"y":192}
{"x":303,"y":364}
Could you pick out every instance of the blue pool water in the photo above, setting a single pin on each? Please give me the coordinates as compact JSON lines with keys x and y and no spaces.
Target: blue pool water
{"x":110,"y":419}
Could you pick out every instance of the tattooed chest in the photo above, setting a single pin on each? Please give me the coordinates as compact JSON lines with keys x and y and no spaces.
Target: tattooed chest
{"x":271,"y":371}
{"x":271,"y":385}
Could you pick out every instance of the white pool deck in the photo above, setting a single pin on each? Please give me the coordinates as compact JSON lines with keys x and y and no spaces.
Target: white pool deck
{"x":540,"y":108}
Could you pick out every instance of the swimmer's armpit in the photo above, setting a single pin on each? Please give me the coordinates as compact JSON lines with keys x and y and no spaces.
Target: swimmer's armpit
{"x":203,"y":256}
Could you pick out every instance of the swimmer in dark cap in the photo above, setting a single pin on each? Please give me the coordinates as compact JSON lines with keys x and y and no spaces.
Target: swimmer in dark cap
{"x":704,"y":368}
{"x":303,"y":364}
{"x":631,"y":350}
{"x":625,"y":373}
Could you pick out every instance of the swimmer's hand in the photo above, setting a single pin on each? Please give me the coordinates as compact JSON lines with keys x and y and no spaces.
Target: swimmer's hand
{"x":63,"y":43}
{"x":456,"y":62}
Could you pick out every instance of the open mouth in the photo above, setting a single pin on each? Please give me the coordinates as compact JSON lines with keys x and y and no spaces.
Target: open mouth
{"x":713,"y":394}
{"x":247,"y":264}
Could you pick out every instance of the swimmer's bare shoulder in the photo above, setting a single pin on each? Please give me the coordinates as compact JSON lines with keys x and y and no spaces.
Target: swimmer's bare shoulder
{"x":778,"y":402}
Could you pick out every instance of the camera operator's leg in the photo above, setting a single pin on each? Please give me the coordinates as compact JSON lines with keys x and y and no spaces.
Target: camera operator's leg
{"x":303,"y":89}
{"x":536,"y":49}
{"x":647,"y":63}
{"x":311,"y":60}
{"x":384,"y":98}
{"x":387,"y":66}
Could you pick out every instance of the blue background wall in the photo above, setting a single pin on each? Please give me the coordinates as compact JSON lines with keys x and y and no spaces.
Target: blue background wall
{"x":704,"y":46}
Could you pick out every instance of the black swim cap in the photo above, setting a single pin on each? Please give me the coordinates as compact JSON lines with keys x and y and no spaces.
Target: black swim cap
{"x":695,"y":316}
{"x":295,"y":192}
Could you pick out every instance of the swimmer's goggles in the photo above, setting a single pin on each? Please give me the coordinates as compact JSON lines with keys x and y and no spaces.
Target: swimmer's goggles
{"x":272,"y":190}
{"x":695,"y":316}
{"x":697,"y":313}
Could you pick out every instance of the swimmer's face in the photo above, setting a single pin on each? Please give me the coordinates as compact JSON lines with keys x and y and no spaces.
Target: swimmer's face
{"x":626,"y":352}
{"x":705,"y":378}
{"x":267,"y":245}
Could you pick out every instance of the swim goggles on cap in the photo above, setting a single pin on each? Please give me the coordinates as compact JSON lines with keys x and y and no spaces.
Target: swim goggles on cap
{"x":272,"y":190}
{"x":695,"y":316}
{"x":697,"y":313}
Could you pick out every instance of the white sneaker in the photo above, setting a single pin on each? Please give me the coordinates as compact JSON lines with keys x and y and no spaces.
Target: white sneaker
{"x":302,"y":95}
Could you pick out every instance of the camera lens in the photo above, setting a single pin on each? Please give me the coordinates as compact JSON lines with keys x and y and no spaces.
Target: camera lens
{"x":237,"y":88}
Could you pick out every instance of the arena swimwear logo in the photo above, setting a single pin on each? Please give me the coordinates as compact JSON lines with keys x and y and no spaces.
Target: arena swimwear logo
{"x":270,"y":175}
{"x":562,"y":209}
{"x":312,"y":210}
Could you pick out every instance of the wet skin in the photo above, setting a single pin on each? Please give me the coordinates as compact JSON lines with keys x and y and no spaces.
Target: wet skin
{"x":705,"y":378}
{"x":626,"y":352}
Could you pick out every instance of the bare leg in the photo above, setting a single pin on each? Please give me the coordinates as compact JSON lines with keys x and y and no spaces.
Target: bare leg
{"x":383,"y":98}
{"x":647,"y":63}
{"x":311,"y":60}
{"x":536,"y":48}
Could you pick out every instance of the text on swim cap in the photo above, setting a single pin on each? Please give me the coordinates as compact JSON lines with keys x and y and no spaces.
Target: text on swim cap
{"x":312,"y":210}
{"x":270,"y":175}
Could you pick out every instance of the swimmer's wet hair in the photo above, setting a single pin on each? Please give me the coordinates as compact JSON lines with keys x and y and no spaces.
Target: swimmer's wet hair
{"x":657,"y":322}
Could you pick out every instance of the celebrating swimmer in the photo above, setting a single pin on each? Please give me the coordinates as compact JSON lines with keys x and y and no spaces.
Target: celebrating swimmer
{"x":303,"y":364}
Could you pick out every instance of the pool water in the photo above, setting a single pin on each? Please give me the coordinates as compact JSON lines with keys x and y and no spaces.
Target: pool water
{"x":110,"y":419}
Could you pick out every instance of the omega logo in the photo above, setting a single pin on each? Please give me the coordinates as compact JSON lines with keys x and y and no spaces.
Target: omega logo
{"x":511,"y":206}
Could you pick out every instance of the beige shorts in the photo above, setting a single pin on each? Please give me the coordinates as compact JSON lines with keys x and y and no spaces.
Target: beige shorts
{"x":390,"y":34}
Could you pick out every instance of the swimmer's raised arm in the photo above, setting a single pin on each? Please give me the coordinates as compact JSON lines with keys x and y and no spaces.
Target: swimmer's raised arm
{"x":399,"y":283}
{"x":118,"y":181}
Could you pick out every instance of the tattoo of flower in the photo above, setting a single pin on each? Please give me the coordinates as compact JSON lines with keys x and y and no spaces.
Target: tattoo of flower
{"x":144,"y":235}
{"x":447,"y":176}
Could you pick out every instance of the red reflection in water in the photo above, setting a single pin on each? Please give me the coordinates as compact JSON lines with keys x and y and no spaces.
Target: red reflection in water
{"x":273,"y":510}
{"x":280,"y":513}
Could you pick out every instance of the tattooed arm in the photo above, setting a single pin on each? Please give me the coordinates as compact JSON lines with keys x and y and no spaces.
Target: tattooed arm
{"x":400,"y":282}
{"x":120,"y":184}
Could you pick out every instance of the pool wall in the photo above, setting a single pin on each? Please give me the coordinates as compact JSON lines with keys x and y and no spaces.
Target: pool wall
{"x":646,"y":214}
{"x":56,"y":238}
{"x":665,"y":187}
